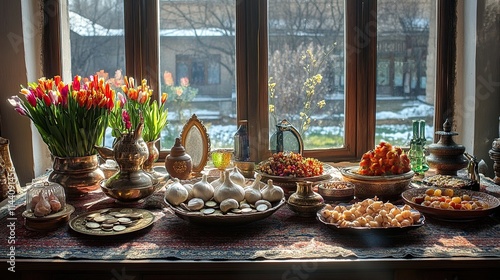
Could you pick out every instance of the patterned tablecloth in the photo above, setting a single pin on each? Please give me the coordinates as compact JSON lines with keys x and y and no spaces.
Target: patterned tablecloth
{"x":283,"y":235}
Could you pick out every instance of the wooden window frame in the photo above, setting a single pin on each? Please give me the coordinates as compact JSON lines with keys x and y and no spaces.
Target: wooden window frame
{"x":142,"y":61}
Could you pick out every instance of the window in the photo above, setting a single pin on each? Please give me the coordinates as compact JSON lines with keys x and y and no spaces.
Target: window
{"x":228,"y":51}
{"x":406,"y":33}
{"x":197,"y":48}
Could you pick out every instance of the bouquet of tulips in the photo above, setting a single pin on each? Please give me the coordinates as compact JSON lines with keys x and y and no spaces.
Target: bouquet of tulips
{"x":71,"y":118}
{"x":133,"y":102}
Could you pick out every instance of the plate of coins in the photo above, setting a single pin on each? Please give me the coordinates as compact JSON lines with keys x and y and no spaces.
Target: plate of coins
{"x":211,"y":214}
{"x":112,"y":221}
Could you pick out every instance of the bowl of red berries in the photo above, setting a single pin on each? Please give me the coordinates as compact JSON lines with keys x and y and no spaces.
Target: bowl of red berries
{"x":384,"y":172}
{"x":288,"y":168}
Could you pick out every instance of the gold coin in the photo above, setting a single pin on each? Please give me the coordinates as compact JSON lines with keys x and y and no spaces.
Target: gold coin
{"x":111,"y":221}
{"x":120,"y":215}
{"x":115,"y":213}
{"x":236,"y":211}
{"x":107,"y":226}
{"x":135,"y":216}
{"x":99,"y":219}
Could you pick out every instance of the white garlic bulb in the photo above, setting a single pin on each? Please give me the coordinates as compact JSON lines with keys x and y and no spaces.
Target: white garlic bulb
{"x":219,"y":181}
{"x":272,"y":193}
{"x":237,"y":177}
{"x":189,"y":188}
{"x":176,"y":193}
{"x":228,"y":189}
{"x":252,"y":193}
{"x":203,"y":189}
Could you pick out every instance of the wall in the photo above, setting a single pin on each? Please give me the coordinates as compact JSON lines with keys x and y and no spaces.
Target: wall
{"x":478,"y":77}
{"x":13,"y":73}
{"x":487,"y":78}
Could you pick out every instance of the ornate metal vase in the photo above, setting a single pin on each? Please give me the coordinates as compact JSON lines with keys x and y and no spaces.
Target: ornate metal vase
{"x":152,"y":157}
{"x":77,"y":175}
{"x":131,"y":183}
{"x":305,"y":202}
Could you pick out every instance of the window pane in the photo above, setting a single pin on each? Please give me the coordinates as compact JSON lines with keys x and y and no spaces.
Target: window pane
{"x":98,"y":42}
{"x":406,"y":47}
{"x":306,"y":70}
{"x":197,"y":61}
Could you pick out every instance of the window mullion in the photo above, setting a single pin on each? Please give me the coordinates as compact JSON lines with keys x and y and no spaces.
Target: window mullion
{"x":445,"y":62}
{"x":251,"y":47}
{"x":366,"y":46}
{"x":142,"y":44}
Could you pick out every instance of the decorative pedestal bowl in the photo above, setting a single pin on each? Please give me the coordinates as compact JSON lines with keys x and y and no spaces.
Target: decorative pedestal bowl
{"x":384,"y":187}
{"x":289,"y":184}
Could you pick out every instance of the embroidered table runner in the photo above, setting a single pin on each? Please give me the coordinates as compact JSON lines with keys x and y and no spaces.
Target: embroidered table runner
{"x":283,"y":235}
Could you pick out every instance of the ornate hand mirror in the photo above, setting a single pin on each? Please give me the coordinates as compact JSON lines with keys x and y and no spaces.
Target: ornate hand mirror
{"x":195,"y":139}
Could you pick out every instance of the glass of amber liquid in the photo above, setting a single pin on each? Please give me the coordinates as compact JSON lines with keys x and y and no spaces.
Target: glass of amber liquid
{"x":221,"y":158}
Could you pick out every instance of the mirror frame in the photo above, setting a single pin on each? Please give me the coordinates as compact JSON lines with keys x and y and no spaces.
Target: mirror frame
{"x":195,"y":123}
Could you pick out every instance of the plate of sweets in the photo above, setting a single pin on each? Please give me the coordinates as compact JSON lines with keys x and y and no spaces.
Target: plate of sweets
{"x":288,"y":168}
{"x":448,"y":181}
{"x":451,"y":204}
{"x":384,"y":172}
{"x":370,"y":215}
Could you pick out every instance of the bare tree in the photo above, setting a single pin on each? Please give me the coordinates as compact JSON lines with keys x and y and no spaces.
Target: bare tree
{"x":205,"y":19}
{"x":95,"y":41}
{"x":303,"y":35}
{"x":408,"y":18}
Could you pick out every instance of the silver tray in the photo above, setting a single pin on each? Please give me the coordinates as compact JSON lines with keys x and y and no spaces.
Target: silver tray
{"x":224,"y":219}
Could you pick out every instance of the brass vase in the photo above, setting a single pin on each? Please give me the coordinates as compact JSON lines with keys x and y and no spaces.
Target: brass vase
{"x":77,"y":175}
{"x":153,"y":156}
{"x":305,"y":202}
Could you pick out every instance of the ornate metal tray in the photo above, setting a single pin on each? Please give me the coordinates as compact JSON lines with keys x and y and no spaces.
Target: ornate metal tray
{"x":376,"y":230}
{"x":229,"y":218}
{"x":453,"y":215}
{"x":144,"y":218}
{"x":289,"y":184}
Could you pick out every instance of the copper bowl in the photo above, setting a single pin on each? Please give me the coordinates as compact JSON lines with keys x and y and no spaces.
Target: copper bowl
{"x":336,"y":190}
{"x":384,"y":187}
{"x":247,"y":168}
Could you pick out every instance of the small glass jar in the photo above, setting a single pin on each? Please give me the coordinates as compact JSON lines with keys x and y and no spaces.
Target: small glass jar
{"x":46,"y":207}
{"x":45,"y":198}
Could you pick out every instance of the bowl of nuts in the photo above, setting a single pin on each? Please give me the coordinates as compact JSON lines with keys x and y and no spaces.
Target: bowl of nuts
{"x":336,"y":190}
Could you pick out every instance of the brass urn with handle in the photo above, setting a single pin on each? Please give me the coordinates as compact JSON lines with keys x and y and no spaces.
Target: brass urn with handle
{"x":131,"y":183}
